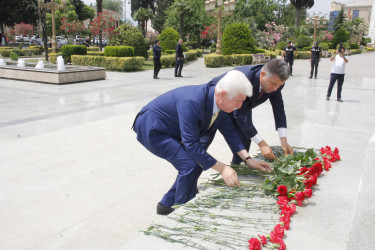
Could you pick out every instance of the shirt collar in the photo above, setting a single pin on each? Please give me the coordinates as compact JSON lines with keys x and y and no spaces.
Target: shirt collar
{"x":214,"y":107}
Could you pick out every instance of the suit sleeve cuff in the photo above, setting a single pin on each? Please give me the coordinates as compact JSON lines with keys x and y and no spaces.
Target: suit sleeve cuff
{"x":282,"y":132}
{"x":257,"y":138}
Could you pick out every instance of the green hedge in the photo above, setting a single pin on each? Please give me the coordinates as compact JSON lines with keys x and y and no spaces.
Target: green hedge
{"x":306,"y":48}
{"x":95,"y":53}
{"x":73,"y":50}
{"x":119,"y":51}
{"x":258,"y":51}
{"x":167,"y":60}
{"x":92,"y":48}
{"x":170,"y":51}
{"x":356,"y":51}
{"x":215,"y":61}
{"x":110,"y":63}
{"x":19,"y":52}
{"x":370,"y":49}
{"x":39,"y":48}
{"x":303,"y":55}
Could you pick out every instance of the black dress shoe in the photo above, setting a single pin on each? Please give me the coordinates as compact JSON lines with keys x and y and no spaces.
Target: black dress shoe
{"x":327,"y":98}
{"x":340,"y":100}
{"x":163,"y":210}
{"x":155,"y":77}
{"x":315,"y":77}
{"x":180,"y":76}
{"x":310,"y":77}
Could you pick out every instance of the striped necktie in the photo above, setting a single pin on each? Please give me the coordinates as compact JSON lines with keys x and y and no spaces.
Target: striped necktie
{"x":214,"y":116}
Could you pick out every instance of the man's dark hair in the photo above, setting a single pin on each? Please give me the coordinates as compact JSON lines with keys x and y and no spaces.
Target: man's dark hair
{"x":156,"y":41}
{"x":277,"y":67}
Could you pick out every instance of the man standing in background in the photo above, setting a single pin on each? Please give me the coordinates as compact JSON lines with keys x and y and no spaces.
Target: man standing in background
{"x":289,"y":52}
{"x":179,"y":59}
{"x":315,"y":55}
{"x":157,"y":55}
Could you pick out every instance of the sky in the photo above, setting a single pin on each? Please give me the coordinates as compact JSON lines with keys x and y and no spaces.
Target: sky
{"x":321,"y":7}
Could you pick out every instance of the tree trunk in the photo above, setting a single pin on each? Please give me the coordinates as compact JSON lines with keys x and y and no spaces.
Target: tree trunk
{"x":99,"y":9}
{"x":298,"y":17}
{"x":182,"y":25}
{"x":2,"y":38}
{"x":44,"y":32}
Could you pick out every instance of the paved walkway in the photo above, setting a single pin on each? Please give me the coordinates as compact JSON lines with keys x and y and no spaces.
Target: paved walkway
{"x":73,"y":176}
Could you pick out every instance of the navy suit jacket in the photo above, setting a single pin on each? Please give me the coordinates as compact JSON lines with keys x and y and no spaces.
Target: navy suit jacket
{"x":183,"y":115}
{"x":243,"y":116}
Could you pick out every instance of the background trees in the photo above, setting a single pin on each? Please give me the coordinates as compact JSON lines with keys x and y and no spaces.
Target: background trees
{"x":301,"y":5}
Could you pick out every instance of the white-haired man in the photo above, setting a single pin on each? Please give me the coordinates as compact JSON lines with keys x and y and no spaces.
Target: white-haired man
{"x":172,"y":125}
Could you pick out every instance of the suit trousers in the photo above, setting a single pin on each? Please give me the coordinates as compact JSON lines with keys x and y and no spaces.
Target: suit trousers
{"x":157,"y":66}
{"x":290,"y":62}
{"x":184,"y":188}
{"x":179,"y":66}
{"x":340,"y":82}
{"x":314,"y":64}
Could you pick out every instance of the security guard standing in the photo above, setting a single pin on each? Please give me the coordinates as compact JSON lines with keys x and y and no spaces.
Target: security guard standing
{"x":315,"y":55}
{"x":289,"y":52}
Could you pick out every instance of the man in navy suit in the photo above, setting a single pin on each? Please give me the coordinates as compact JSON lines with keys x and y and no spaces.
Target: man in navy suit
{"x":179,"y":59}
{"x":173,"y":126}
{"x":267,"y":82}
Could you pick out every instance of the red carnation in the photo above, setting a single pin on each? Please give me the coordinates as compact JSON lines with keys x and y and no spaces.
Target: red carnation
{"x":308,"y":192}
{"x":254,"y":244}
{"x":282,"y":189}
{"x":263,"y":239}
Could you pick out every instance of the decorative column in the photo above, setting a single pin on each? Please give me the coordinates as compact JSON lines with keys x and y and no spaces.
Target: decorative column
{"x":218,"y":9}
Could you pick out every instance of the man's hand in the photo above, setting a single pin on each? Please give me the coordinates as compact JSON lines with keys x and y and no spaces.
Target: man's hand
{"x":286,"y":147}
{"x":230,"y":177}
{"x":266,"y":150}
{"x":229,"y":174}
{"x":259,"y":165}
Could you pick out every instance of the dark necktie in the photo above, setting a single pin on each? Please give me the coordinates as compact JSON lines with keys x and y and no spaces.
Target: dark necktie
{"x":260,"y":94}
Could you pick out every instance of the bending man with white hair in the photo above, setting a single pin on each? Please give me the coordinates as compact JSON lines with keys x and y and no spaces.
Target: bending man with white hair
{"x":172,"y":126}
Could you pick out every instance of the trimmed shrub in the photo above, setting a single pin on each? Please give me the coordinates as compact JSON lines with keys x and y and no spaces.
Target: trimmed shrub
{"x":126,"y":35}
{"x":303,"y":41}
{"x":92,"y":48}
{"x":13,"y":56}
{"x":169,"y":39}
{"x":356,"y":51}
{"x":258,"y":51}
{"x":119,"y":51}
{"x":324,"y":46}
{"x":330,"y":45}
{"x":271,"y":54}
{"x":354,"y":46}
{"x":279,"y":52}
{"x":190,"y":56}
{"x":303,"y":55}
{"x":341,"y":35}
{"x":307,"y":48}
{"x":242,"y":59}
{"x":198,"y":52}
{"x":73,"y":50}
{"x":110,"y":63}
{"x":370,"y":49}
{"x":39,"y":48}
{"x":237,"y":39}
{"x":214,"y":61}
{"x":168,"y":60}
{"x":95,"y":53}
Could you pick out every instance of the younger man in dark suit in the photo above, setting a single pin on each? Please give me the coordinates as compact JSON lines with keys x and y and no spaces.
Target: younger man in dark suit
{"x":267,"y":82}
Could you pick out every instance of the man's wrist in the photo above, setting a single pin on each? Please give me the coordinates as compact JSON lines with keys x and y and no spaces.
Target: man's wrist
{"x":246,"y":159}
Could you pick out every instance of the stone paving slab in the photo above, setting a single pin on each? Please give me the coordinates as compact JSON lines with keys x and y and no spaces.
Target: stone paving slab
{"x":73,"y":175}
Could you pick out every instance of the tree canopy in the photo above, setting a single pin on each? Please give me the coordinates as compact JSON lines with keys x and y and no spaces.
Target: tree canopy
{"x":301,"y":5}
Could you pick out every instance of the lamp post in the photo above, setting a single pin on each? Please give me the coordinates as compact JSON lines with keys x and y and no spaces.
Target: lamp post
{"x":53,"y":7}
{"x":360,"y":29}
{"x":222,"y":10}
{"x":315,"y":22}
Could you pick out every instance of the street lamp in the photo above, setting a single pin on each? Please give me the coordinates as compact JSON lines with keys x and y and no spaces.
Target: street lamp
{"x":222,"y":10}
{"x":315,"y":22}
{"x":360,"y":29}
{"x":281,"y":29}
{"x":53,"y":7}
